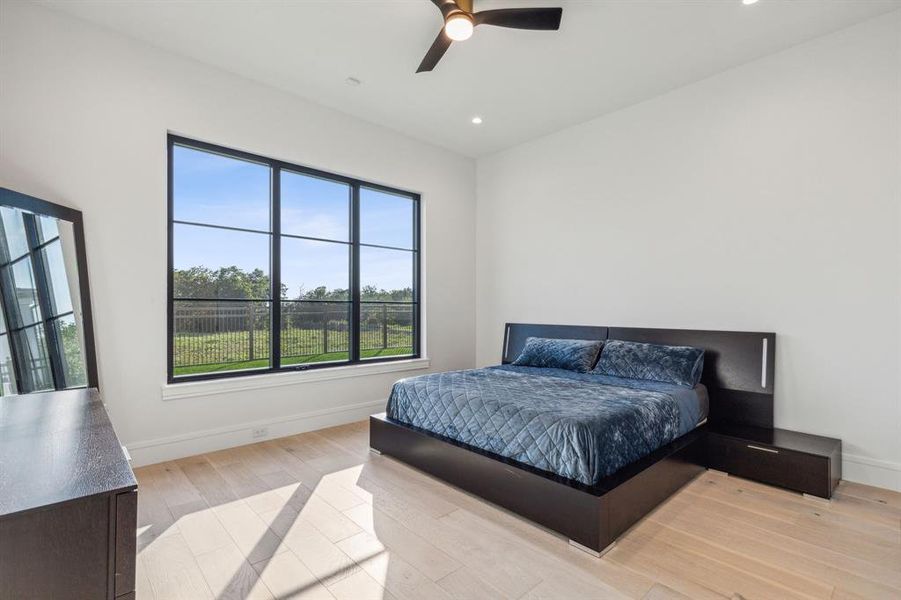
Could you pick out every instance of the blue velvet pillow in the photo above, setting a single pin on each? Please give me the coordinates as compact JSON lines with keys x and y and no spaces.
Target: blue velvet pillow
{"x":574,"y":355}
{"x":681,"y":365}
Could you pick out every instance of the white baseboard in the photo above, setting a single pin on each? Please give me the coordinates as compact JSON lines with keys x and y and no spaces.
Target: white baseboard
{"x":871,"y":471}
{"x":197,"y":442}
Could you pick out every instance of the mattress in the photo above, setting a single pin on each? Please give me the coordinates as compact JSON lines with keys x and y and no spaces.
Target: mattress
{"x":580,"y":426}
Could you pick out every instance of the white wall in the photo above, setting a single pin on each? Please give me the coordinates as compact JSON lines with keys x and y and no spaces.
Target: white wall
{"x":83,"y":120}
{"x":765,"y":198}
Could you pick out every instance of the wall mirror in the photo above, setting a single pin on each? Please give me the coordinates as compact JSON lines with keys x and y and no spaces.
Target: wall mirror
{"x":46,"y":330}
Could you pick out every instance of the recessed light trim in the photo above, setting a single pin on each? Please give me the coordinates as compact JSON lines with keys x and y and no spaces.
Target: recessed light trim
{"x":477,"y":120}
{"x":748,"y":2}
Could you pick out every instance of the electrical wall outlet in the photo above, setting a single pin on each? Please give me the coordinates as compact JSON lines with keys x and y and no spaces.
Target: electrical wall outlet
{"x":259,"y":433}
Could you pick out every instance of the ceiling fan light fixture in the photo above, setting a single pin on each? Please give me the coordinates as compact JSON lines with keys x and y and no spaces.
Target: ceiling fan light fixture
{"x":458,"y":27}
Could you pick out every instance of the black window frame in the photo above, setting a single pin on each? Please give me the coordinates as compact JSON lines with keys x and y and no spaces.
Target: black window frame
{"x":276,"y":167}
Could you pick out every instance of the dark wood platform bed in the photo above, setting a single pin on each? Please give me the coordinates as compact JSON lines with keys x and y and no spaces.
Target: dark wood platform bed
{"x":738,"y":374}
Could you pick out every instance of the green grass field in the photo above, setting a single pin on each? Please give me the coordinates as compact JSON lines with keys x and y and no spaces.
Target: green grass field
{"x":299,"y":346}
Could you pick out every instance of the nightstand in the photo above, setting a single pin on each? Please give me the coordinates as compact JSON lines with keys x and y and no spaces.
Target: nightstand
{"x":810,"y":464}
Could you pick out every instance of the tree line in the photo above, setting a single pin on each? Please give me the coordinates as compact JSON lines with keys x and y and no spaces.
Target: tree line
{"x":234,"y":282}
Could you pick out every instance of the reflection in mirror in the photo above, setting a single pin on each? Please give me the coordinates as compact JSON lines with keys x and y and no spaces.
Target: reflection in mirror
{"x":42,"y":342}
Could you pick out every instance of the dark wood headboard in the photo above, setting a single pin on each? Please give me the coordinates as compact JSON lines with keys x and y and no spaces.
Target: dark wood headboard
{"x":739,"y":366}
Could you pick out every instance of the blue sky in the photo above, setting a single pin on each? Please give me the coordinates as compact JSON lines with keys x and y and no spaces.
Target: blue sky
{"x":219,"y":190}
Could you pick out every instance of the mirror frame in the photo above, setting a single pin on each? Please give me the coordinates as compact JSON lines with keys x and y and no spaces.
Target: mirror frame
{"x":34,"y":205}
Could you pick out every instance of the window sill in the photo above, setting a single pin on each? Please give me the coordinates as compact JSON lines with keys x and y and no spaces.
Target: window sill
{"x":192,"y":389}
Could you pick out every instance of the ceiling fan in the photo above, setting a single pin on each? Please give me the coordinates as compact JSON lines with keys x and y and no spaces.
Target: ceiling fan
{"x":459,"y":21}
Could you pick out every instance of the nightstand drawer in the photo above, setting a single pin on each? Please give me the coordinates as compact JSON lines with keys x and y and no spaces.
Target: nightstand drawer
{"x":797,"y":471}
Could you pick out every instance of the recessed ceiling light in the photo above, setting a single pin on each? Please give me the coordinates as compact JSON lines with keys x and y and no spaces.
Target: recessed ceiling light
{"x":477,"y":120}
{"x":352,"y":81}
{"x":748,"y":2}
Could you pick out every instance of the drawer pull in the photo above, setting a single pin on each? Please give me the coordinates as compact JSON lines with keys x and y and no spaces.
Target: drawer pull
{"x":770,"y":450}
{"x":763,"y":365}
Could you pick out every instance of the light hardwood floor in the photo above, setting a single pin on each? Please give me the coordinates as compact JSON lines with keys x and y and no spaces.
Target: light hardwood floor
{"x":318,"y":516}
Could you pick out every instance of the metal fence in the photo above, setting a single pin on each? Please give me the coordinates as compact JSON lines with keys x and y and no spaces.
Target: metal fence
{"x":315,"y":328}
{"x":214,"y":333}
{"x":385,"y":326}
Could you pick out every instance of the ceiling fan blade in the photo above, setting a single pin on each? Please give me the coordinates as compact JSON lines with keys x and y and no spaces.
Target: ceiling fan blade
{"x":439,"y":47}
{"x":446,"y":6}
{"x":545,"y":19}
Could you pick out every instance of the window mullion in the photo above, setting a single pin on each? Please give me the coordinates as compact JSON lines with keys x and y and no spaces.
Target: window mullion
{"x":11,"y":313}
{"x":275,"y":268}
{"x":355,"y":273}
{"x":42,"y":292}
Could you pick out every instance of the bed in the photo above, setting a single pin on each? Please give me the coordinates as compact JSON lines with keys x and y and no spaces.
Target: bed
{"x":579,"y":426}
{"x":584,"y":454}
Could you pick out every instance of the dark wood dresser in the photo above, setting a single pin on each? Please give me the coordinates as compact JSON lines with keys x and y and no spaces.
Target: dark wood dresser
{"x":68,"y":500}
{"x":806,"y":463}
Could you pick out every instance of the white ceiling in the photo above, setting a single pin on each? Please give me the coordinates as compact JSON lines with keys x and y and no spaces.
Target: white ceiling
{"x":608,"y":54}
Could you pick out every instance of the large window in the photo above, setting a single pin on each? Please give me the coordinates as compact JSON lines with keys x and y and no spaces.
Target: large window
{"x":274,"y":266}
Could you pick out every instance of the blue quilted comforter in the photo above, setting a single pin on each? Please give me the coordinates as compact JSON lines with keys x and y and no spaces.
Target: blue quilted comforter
{"x":581,"y":426}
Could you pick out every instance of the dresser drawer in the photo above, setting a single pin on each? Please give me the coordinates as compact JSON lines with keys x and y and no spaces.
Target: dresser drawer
{"x":790,"y":469}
